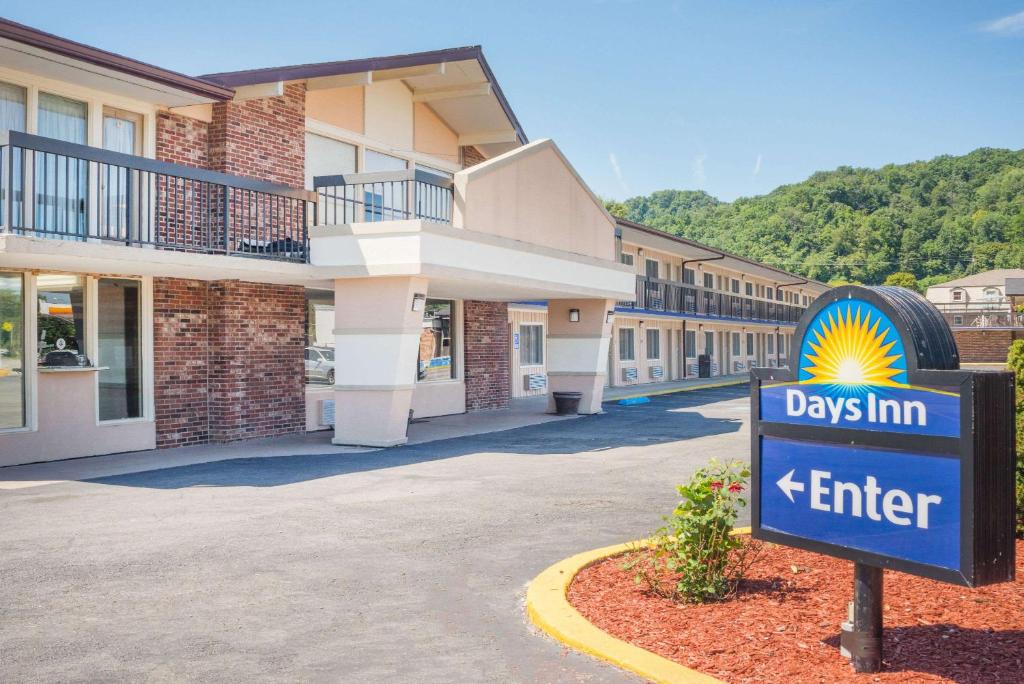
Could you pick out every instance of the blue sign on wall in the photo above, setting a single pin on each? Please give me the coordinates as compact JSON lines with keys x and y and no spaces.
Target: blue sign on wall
{"x":904,"y":505}
{"x":873,"y":446}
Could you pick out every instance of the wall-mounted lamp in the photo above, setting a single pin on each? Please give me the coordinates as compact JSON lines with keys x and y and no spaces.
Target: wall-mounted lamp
{"x":640,"y":251}
{"x":609,"y":317}
{"x":574,"y":315}
{"x":418,"y":301}
{"x":700,"y":326}
{"x":641,"y":325}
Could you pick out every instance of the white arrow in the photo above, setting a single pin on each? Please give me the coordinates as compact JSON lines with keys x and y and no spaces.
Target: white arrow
{"x":787,"y":485}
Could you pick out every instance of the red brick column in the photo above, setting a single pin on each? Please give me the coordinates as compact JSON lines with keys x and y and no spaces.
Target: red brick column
{"x":182,"y":140}
{"x":256,"y":362}
{"x":180,"y":361}
{"x":486,"y":352}
{"x":984,"y":346}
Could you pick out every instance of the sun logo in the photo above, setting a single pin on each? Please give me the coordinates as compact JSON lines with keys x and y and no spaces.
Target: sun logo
{"x":857,"y":346}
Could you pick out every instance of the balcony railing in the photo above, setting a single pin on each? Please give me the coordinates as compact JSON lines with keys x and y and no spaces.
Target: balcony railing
{"x":383,"y":196}
{"x":54,"y":189}
{"x":671,"y":297}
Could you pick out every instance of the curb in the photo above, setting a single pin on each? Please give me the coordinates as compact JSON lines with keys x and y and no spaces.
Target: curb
{"x":674,"y":390}
{"x":548,"y":609}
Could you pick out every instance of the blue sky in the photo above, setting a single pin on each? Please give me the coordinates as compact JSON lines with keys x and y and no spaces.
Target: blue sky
{"x":735,"y":98}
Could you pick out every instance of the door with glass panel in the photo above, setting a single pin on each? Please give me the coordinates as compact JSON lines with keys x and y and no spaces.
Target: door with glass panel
{"x":61,"y":181}
{"x":119,"y":196}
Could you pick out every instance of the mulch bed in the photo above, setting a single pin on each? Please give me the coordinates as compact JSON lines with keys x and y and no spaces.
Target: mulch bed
{"x":783,"y":626}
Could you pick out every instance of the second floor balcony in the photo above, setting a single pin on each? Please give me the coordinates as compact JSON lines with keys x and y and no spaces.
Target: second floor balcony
{"x":665,"y":296}
{"x":65,"y":191}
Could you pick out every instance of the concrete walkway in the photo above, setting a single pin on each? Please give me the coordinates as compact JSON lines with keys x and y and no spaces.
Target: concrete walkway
{"x":407,"y":564}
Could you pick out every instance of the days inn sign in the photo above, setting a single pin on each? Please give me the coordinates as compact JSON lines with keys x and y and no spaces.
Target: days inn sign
{"x":875,"y":447}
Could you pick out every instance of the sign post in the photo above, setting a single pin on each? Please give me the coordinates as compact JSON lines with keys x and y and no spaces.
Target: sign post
{"x":873,"y":446}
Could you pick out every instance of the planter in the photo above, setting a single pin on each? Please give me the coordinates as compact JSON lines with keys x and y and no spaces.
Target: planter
{"x":567,"y":403}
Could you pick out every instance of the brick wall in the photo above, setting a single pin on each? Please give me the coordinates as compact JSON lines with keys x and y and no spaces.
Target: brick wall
{"x":486,"y":351}
{"x":257,"y":334}
{"x":181,"y":360}
{"x":182,"y":140}
{"x":262,"y":138}
{"x":984,"y":346}
{"x":471,"y":156}
{"x":228,"y":360}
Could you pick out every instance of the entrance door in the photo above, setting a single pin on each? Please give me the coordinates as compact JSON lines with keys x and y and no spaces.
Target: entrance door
{"x":122,"y":132}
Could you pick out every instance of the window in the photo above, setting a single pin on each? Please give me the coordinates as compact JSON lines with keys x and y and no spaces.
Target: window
{"x":626,"y":258}
{"x":12,"y":350}
{"x":689,"y":277}
{"x":735,"y":286}
{"x":319,"y":337}
{"x":531,"y":345}
{"x":750,"y":289}
{"x":958,"y":295}
{"x":709,"y":281}
{"x":735,"y":344}
{"x":782,"y":345}
{"x":653,"y":344}
{"x":771,"y":344}
{"x":750,"y":344}
{"x":958,"y":320}
{"x":61,"y":320}
{"x":437,"y":346}
{"x":119,"y":356}
{"x":384,"y":201}
{"x":778,"y":295}
{"x":12,"y":107}
{"x":805,"y":300}
{"x":432,"y":200}
{"x":627,"y":340}
{"x":690,"y":344}
{"x":991,"y":294}
{"x":651,"y":268}
{"x":769,"y":293}
{"x":709,"y":343}
{"x":61,"y":186}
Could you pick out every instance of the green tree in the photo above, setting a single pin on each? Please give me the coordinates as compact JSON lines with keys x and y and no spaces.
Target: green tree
{"x":902,"y":279}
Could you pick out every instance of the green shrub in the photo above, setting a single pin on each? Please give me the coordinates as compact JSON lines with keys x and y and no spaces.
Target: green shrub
{"x":693,"y":557}
{"x":1015,"y":361}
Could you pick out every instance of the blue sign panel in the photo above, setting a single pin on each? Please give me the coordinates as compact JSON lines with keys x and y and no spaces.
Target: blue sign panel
{"x":897,"y":504}
{"x":908,"y":410}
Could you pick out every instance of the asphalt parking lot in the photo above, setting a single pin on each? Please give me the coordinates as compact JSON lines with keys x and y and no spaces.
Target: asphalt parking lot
{"x":408,"y":564}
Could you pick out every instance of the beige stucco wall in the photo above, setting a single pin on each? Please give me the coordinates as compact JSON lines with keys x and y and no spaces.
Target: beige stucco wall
{"x":431,"y":135}
{"x":388,"y":111}
{"x":341,"y":107}
{"x":67,"y":425}
{"x":534,"y":195}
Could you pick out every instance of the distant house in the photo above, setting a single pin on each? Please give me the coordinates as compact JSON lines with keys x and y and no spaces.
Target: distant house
{"x":984,"y":311}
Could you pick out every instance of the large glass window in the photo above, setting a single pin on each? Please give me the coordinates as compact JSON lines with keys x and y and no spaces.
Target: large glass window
{"x":627,"y":344}
{"x":12,"y":350}
{"x":531,"y":345}
{"x":709,"y":281}
{"x":61,"y":182}
{"x":320,"y":337}
{"x":118,"y":318}
{"x":688,"y":276}
{"x":383,"y":201}
{"x":437,"y":344}
{"x":61,"y":320}
{"x":12,"y":107}
{"x":709,"y":343}
{"x":654,"y":344}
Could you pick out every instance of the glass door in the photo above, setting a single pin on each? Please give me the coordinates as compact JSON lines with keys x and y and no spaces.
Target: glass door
{"x":121,"y":133}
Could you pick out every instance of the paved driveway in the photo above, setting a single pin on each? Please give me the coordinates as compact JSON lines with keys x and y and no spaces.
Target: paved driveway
{"x":407,"y":564}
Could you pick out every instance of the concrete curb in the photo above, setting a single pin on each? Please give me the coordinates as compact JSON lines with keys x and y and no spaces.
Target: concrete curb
{"x":674,"y":390}
{"x":550,"y":610}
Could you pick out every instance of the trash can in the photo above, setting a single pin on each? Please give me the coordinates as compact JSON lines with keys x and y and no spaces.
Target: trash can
{"x":567,"y":403}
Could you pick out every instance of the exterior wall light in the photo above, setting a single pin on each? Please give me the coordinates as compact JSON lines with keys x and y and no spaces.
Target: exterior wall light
{"x":639,"y":251}
{"x":609,"y":317}
{"x":418,"y":301}
{"x":574,"y":315}
{"x":641,"y":325}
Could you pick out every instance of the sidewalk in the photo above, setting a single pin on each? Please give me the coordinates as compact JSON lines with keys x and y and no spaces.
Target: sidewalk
{"x":654,"y":388}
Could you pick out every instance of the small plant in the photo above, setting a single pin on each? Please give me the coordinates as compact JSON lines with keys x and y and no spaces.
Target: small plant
{"x":693,"y":557}
{"x":1015,"y":361}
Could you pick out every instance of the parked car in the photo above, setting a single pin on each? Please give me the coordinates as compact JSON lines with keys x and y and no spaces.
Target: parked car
{"x":320,"y":365}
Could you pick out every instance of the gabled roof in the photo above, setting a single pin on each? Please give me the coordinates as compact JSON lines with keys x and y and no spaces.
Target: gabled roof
{"x":298,"y":72}
{"x":994,"y":278}
{"x":12,"y":32}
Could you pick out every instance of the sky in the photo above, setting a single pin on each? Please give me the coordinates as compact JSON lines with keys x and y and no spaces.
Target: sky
{"x":735,"y":98}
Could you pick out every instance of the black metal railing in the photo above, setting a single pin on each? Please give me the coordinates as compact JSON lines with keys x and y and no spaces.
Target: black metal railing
{"x":672,"y":297}
{"x":383,"y":196}
{"x":65,"y":191}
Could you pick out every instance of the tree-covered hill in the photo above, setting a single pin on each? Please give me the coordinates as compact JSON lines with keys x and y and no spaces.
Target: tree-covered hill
{"x":936,"y":219}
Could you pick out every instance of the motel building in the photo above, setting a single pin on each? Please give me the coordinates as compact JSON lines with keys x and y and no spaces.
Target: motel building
{"x":695,"y":312}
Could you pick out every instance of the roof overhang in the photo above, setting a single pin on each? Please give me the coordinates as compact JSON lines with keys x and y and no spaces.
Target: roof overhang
{"x":457,"y":83}
{"x":44,"y":54}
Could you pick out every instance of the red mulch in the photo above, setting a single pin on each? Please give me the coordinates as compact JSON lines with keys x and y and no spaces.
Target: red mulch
{"x":784,"y":627}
